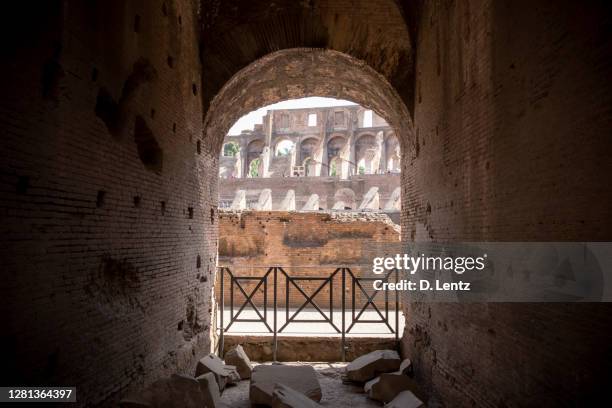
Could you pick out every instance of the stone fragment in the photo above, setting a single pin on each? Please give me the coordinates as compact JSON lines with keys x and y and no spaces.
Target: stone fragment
{"x":224,"y":374}
{"x":405,"y":399}
{"x":210,"y":390}
{"x":301,"y":378}
{"x":237,"y":357}
{"x":388,"y":385}
{"x":287,"y":397}
{"x":368,"y":366}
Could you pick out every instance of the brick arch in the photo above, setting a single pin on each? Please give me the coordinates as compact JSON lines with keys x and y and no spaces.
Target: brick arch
{"x":377,"y":32}
{"x":302,"y":72}
{"x":281,"y":139}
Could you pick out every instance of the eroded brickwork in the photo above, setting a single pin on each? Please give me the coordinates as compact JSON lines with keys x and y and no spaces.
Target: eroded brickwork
{"x":510,"y":146}
{"x":107,"y":219}
{"x":305,"y":244}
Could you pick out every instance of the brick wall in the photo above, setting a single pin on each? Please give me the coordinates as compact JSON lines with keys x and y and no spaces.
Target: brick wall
{"x":512,"y":141}
{"x":108,"y":223}
{"x":305,"y":245}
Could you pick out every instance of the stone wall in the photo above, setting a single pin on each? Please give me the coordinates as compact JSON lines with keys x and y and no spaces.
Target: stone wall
{"x":338,"y":142}
{"x":108,"y":227}
{"x":512,"y":126}
{"x":305,"y":245}
{"x":329,"y":189}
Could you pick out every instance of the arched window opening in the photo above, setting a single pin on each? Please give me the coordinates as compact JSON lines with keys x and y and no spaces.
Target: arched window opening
{"x":284,"y":148}
{"x":230,"y":149}
{"x":335,"y":167}
{"x":309,"y":167}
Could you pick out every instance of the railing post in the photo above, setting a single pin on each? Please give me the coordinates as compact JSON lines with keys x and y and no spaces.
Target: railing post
{"x":343,"y":314}
{"x":222,"y":324}
{"x":275,"y":328}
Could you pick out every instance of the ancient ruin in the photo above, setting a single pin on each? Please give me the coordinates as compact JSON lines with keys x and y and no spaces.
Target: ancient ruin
{"x":490,"y":123}
{"x":312,"y":159}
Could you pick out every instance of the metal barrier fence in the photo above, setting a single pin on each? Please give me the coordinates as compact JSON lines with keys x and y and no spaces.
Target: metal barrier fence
{"x":271,"y":281}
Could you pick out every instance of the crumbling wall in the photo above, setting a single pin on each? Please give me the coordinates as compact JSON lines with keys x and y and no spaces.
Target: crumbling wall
{"x":511,"y":145}
{"x":108,"y":227}
{"x":306,"y":245}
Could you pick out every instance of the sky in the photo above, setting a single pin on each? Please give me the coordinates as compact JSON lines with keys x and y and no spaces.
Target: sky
{"x":249,"y":120}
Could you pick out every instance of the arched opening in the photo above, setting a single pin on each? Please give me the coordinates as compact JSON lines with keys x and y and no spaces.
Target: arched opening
{"x":304,"y":72}
{"x":284,"y":148}
{"x":310,"y":167}
{"x":338,"y":151}
{"x":327,"y":147}
{"x":309,"y":152}
{"x":367,"y":154}
{"x":230,"y":149}
{"x":253,"y":158}
{"x":335,"y":167}
{"x":111,"y":221}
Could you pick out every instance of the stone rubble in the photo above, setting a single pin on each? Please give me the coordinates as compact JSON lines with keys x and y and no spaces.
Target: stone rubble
{"x":210,"y":390}
{"x":368,"y":366}
{"x":405,"y":399}
{"x":237,"y":357}
{"x":278,"y":385}
{"x":286,"y":397}
{"x":301,"y":378}
{"x":224,"y":374}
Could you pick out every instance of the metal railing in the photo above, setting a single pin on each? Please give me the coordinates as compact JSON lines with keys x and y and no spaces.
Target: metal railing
{"x":270,"y":281}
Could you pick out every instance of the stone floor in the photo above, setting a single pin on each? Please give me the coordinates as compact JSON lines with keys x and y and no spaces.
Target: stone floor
{"x":335,"y":392}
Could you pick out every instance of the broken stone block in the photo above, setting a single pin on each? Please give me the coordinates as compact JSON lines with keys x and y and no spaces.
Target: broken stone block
{"x":224,"y":374}
{"x":301,"y":378}
{"x":405,"y":399}
{"x":368,"y":366}
{"x":287,"y":397}
{"x":210,"y":390}
{"x":237,"y":357}
{"x":387,"y":386}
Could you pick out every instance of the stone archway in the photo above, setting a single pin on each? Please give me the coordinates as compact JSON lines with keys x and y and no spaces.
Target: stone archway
{"x":302,"y":72}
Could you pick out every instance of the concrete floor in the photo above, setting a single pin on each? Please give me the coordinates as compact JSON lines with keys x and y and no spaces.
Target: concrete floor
{"x":315,"y":328}
{"x":335,"y":393}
